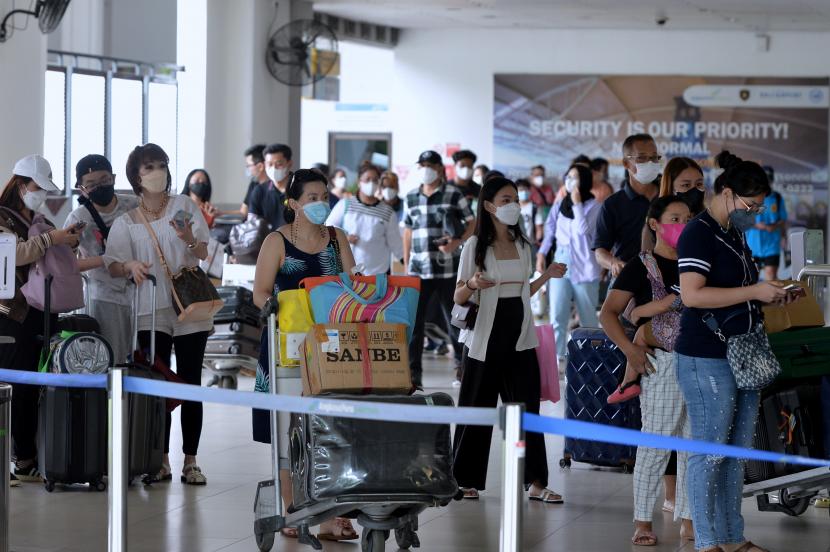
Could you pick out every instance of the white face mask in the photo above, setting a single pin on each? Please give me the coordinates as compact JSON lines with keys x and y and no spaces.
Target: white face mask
{"x":389,"y":194}
{"x":427,"y":175}
{"x":463,"y":173}
{"x":155,"y":181}
{"x":509,"y":214}
{"x":369,"y":188}
{"x":276,"y":174}
{"x":34,"y":200}
{"x":571,"y":184}
{"x":538,"y":180}
{"x":647,"y":172}
{"x":339,"y":182}
{"x":478,"y":179}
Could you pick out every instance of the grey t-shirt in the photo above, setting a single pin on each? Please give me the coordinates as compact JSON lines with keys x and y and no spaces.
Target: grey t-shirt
{"x":102,"y":286}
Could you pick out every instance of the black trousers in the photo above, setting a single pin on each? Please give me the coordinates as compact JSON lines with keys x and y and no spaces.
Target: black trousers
{"x":190,"y":353}
{"x":507,"y":373}
{"x":442,"y":289}
{"x":24,"y":355}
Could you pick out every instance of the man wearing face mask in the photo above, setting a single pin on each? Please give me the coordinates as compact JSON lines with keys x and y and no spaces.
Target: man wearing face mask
{"x":255,"y":172}
{"x":267,"y":202}
{"x":465,"y":161}
{"x":623,"y":214}
{"x":541,"y":194}
{"x":109,"y":302}
{"x":429,"y":253}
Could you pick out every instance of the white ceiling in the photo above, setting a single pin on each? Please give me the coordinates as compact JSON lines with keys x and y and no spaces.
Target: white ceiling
{"x":719,"y":15}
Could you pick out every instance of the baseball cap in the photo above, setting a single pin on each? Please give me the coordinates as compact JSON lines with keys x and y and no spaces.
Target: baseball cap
{"x":91,"y":163}
{"x":38,"y":169}
{"x":430,"y":156}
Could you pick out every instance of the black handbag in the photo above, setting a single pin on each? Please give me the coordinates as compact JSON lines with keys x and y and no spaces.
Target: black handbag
{"x":246,"y":239}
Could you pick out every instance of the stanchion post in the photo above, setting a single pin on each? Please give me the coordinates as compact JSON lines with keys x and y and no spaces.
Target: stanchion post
{"x":512,"y":480}
{"x":117,"y":494}
{"x":5,"y":459}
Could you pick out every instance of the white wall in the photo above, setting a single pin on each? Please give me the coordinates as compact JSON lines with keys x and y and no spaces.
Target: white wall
{"x":443,"y":85}
{"x":142,"y":30}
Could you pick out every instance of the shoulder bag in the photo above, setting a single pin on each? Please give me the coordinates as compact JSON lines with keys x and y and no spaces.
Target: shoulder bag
{"x":194,"y":297}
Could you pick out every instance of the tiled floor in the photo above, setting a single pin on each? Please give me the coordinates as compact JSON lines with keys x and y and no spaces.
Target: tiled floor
{"x":595,"y":517}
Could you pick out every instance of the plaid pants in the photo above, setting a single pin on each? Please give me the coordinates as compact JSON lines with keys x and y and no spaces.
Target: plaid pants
{"x":663,"y":413}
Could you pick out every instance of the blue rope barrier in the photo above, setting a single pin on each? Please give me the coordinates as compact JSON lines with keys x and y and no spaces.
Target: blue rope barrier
{"x":96,"y":381}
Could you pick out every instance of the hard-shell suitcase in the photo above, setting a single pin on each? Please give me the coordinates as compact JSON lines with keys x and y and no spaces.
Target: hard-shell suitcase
{"x":72,"y":441}
{"x":218,"y":345}
{"x":802,"y":352}
{"x":247,"y":314}
{"x":78,"y":323}
{"x":790,"y":422}
{"x":237,"y":330}
{"x":595,"y":367}
{"x":146,"y":414}
{"x":333,"y":456}
{"x":235,"y":295}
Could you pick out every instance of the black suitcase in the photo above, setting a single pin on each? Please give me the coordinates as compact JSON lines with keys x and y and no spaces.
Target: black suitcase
{"x":235,"y":295}
{"x":217,"y":345}
{"x":790,"y":422}
{"x":247,"y":314}
{"x":236,"y":330}
{"x":332,"y":456}
{"x":595,"y":366}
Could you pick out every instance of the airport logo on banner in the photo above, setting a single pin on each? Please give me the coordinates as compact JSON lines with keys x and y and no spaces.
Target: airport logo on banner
{"x":800,"y":97}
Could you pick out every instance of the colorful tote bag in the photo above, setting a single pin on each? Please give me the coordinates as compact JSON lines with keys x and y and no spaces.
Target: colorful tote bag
{"x":380,"y":298}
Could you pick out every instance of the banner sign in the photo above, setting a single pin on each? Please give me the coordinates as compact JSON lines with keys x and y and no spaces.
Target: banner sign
{"x":781,"y":122}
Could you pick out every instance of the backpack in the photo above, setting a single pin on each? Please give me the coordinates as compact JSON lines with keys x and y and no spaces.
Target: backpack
{"x":60,"y":263}
{"x":246,"y":239}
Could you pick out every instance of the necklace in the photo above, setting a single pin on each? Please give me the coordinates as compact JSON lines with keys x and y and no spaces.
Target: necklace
{"x":294,"y":232}
{"x":155,"y":213}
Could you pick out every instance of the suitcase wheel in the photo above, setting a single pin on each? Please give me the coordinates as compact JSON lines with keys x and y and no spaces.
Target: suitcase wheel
{"x":792,"y":506}
{"x":49,"y":485}
{"x":374,"y":540}
{"x":264,"y":541}
{"x":627,"y":468}
{"x":407,"y":538}
{"x":565,"y":463}
{"x":99,"y":486}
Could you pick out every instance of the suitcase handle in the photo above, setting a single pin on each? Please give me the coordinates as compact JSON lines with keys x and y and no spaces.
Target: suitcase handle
{"x":805,"y":426}
{"x":152,"y":280}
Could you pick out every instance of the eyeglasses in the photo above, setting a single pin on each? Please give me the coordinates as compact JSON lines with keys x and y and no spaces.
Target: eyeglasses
{"x":92,"y":186}
{"x":645,"y":158}
{"x":251,"y":165}
{"x":754,"y":208}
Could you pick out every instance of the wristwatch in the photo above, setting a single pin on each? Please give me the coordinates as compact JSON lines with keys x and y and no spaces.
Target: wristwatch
{"x":677,"y":303}
{"x":193,"y":245}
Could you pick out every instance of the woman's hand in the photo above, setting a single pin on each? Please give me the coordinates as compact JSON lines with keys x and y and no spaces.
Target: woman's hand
{"x":768,"y":292}
{"x":136,"y":270}
{"x":637,"y":359}
{"x":353,"y":238}
{"x":576,"y":197}
{"x":478,"y":281}
{"x":212,"y":211}
{"x":555,"y":270}
{"x":68,"y":236}
{"x":184,"y":233}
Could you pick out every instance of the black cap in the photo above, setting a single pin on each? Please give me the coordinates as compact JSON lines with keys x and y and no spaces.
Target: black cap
{"x":91,"y":163}
{"x":430,"y":156}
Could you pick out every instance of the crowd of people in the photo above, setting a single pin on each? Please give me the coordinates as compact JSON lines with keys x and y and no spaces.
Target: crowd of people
{"x":670,"y":251}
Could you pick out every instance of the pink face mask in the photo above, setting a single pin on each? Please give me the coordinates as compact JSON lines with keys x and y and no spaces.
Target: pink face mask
{"x":671,"y":233}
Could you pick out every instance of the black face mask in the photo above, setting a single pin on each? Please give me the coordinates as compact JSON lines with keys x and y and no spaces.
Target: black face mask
{"x":693,"y":198}
{"x":199,"y":189}
{"x":102,"y":195}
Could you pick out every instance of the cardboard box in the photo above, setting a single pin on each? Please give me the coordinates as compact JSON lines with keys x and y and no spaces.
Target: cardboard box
{"x":803,"y":313}
{"x":356,"y":358}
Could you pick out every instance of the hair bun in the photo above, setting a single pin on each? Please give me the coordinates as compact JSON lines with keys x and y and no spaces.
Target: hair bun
{"x":726,"y":160}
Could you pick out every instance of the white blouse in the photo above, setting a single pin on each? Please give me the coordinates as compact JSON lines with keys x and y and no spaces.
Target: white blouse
{"x":476,"y":339}
{"x":129,"y":240}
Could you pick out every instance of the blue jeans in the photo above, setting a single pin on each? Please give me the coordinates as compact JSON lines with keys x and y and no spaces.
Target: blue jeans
{"x":718,"y":411}
{"x":561,"y":293}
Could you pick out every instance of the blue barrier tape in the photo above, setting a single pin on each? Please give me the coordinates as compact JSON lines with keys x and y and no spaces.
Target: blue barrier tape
{"x":620,"y":436}
{"x":317,"y":405}
{"x":98,"y":381}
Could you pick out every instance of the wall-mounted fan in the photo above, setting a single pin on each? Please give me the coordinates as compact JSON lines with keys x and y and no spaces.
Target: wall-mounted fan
{"x":302,"y":52}
{"x":48,"y":13}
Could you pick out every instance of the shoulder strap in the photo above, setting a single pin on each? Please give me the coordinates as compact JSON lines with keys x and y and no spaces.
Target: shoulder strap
{"x":96,"y":216}
{"x":161,"y":256}
{"x":16,"y":215}
{"x":335,"y":243}
{"x":651,"y":265}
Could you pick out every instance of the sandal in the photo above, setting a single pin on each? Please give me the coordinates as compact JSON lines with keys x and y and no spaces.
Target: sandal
{"x":164,"y":474}
{"x":749,"y":547}
{"x":290,"y":532}
{"x":192,"y":475}
{"x":470,"y":493}
{"x":345,"y":531}
{"x":668,"y":506}
{"x":547,"y":497}
{"x":644,"y":538}
{"x":625,"y":392}
{"x":822,"y":502}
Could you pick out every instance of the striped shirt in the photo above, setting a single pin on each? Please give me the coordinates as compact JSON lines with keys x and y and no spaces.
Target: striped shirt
{"x":430,"y":219}
{"x":377,"y":231}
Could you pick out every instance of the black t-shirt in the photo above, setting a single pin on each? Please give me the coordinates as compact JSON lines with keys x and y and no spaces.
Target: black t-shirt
{"x":251,"y":188}
{"x":471,"y":191}
{"x":267,"y":203}
{"x":634,"y":279}
{"x":725,"y":260}
{"x":620,"y":223}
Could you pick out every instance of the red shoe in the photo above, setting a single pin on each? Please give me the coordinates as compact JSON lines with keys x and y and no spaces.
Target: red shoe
{"x":625,"y":392}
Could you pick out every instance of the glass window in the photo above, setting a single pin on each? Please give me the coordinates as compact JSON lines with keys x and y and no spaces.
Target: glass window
{"x":54,"y":124}
{"x":162,"y":122}
{"x":126,"y":126}
{"x":87,"y":112}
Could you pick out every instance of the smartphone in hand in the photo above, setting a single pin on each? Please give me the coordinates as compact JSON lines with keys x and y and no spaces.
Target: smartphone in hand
{"x":795,"y":290}
{"x":181,"y":218}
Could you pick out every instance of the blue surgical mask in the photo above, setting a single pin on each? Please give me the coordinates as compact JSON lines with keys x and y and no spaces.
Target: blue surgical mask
{"x":317,"y":211}
{"x":524,"y":195}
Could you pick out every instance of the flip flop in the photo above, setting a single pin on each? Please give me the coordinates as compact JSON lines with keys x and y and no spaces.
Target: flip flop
{"x":644,"y":538}
{"x":548,"y":497}
{"x":347,"y":532}
{"x":624,"y":392}
{"x":470,"y":494}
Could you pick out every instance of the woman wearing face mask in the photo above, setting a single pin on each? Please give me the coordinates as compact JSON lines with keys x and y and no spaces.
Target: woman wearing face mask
{"x":389,"y":188}
{"x":20,"y":201}
{"x":198,"y":188}
{"x":109,"y":301}
{"x":303,"y":248}
{"x":478,"y":174}
{"x":571,"y":225}
{"x":500,"y":361}
{"x":719,"y":280}
{"x":370,"y":224}
{"x":651,"y":280}
{"x":182,"y":235}
{"x":338,"y":184}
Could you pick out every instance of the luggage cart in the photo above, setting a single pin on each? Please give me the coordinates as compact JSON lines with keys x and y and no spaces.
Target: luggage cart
{"x":378,"y":514}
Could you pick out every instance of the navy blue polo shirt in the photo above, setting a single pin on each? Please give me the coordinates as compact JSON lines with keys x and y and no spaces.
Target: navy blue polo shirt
{"x":268,"y":203}
{"x":620,"y":223}
{"x":725,"y":260}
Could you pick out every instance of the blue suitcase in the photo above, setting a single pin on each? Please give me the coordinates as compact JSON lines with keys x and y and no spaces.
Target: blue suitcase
{"x":595,"y":368}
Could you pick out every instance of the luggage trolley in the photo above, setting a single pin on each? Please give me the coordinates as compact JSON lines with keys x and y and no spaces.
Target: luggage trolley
{"x":378,"y":514}
{"x":794,"y":491}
